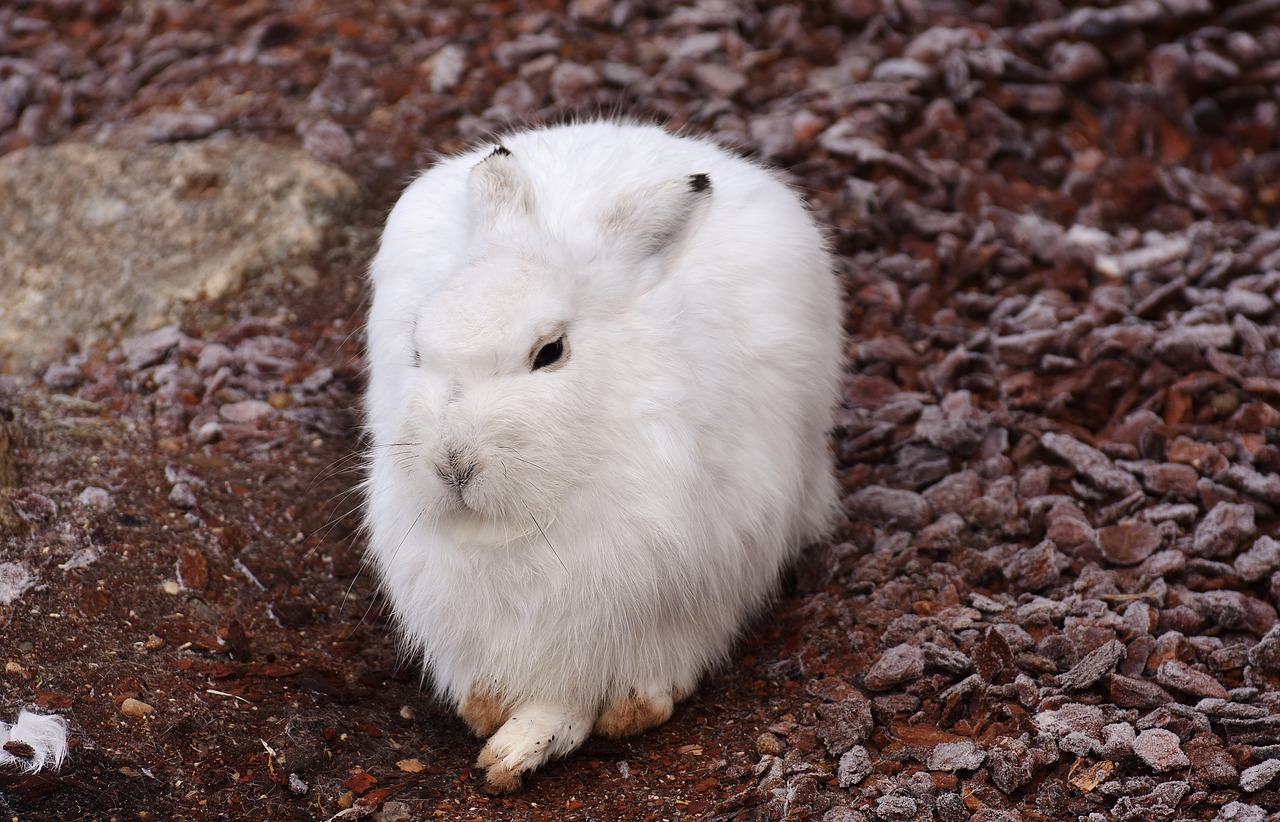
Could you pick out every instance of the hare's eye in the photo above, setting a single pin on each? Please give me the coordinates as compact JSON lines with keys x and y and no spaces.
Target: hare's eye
{"x":549,"y":354}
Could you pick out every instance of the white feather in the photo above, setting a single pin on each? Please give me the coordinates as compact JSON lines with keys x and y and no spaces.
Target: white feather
{"x":45,"y":734}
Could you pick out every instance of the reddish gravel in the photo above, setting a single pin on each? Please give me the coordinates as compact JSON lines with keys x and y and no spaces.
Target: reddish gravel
{"x":1055,"y":593}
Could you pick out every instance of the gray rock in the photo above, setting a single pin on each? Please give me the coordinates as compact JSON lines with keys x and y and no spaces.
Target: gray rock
{"x":327,"y":140}
{"x":247,"y":411}
{"x":103,"y":243}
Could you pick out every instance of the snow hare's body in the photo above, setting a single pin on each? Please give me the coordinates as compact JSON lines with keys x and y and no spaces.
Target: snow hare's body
{"x":603,"y":361}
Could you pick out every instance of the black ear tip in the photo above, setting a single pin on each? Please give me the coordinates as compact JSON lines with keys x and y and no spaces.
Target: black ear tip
{"x":500,"y":151}
{"x":699,"y":183}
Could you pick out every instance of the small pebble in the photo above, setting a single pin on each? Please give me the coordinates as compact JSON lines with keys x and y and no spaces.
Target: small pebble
{"x":136,"y":708}
{"x":768,"y":743}
{"x":247,"y":411}
{"x":94,"y":497}
{"x":181,"y":496}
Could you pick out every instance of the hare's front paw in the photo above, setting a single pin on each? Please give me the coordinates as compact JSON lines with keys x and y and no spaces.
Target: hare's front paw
{"x":641,"y":709}
{"x":532,"y":735}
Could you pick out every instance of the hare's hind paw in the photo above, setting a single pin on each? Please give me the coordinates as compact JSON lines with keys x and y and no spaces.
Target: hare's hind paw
{"x":639,"y":710}
{"x":484,"y":711}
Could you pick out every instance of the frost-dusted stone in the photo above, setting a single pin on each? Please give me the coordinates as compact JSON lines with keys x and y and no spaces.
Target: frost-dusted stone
{"x":1179,"y":676}
{"x":1160,"y":749}
{"x":15,"y":578}
{"x":1259,"y":776}
{"x":845,"y":724}
{"x":1223,"y":529}
{"x":1137,"y":693}
{"x":1266,"y":654}
{"x":1093,"y":667}
{"x":1091,"y":464}
{"x":953,"y":493}
{"x":956,"y":756}
{"x":895,"y":808}
{"x":1178,"y":343}
{"x":1240,"y":812}
{"x":1010,"y":763}
{"x":1160,"y":804}
{"x":1068,"y":528}
{"x":1034,"y":569}
{"x":1235,"y":611}
{"x":247,"y":411}
{"x":95,"y":497}
{"x":939,"y":658}
{"x":1117,"y":740}
{"x":993,"y":654}
{"x":898,"y":664}
{"x":1265,"y":487}
{"x":855,"y":766}
{"x":152,"y":347}
{"x":1171,"y":478}
{"x":101,"y":243}
{"x":1073,"y":62}
{"x":890,"y":507}
{"x":1259,"y":561}
{"x":1202,"y":456}
{"x":1210,"y":761}
{"x":1129,"y":541}
{"x":61,"y":376}
{"x":181,"y":496}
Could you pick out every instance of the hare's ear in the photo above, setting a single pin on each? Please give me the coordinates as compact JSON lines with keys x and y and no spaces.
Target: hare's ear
{"x":497,"y":192}
{"x":655,"y":220}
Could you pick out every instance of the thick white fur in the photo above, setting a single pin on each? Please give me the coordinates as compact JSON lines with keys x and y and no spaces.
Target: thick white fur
{"x":45,"y":734}
{"x":630,"y":507}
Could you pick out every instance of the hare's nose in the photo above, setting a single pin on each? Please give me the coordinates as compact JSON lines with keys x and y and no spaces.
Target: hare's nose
{"x":456,"y":470}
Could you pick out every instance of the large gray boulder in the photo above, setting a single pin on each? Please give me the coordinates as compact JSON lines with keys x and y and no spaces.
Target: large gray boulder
{"x":99,"y":243}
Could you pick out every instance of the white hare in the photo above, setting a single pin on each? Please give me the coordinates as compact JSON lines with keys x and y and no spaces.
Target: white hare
{"x":603,"y":362}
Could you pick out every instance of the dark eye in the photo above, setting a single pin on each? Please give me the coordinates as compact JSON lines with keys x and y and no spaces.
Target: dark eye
{"x":549,"y":354}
